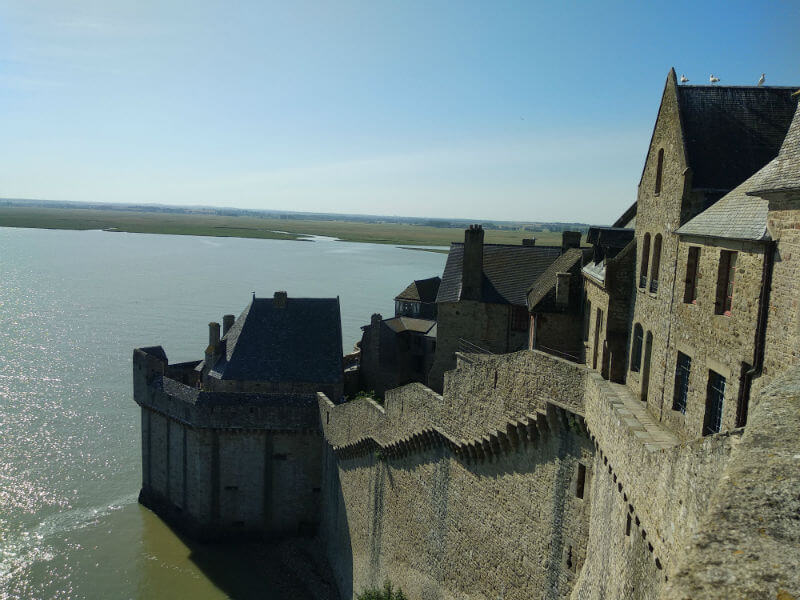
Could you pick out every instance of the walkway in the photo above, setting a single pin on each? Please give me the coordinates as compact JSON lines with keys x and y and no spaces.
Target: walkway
{"x":633,"y":413}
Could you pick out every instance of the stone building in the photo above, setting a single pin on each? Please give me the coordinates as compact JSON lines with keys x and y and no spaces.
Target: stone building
{"x":418,"y":300}
{"x":706,"y":141}
{"x":482,"y":300}
{"x":230,"y":444}
{"x":555,"y":301}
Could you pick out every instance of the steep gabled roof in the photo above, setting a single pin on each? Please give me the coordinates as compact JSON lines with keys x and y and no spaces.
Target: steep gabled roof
{"x":545,"y":284}
{"x":783,"y":173}
{"x":731,"y":132}
{"x":300,"y":342}
{"x":508,"y":272}
{"x":421,"y":290}
{"x":401,"y":324}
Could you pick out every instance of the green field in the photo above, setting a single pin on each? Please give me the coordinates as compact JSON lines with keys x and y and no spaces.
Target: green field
{"x":252,"y":227}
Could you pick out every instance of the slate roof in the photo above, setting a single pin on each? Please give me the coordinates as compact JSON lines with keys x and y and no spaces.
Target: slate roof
{"x":736,"y":216}
{"x":401,"y":324}
{"x":508,"y":272}
{"x":627,"y":218}
{"x":301,"y":342}
{"x":421,"y":290}
{"x":610,"y":237}
{"x":741,"y":214}
{"x":731,"y":132}
{"x":783,"y":173}
{"x":545,"y":284}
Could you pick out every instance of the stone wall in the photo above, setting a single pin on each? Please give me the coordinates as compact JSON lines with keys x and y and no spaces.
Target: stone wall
{"x":222,"y":464}
{"x":428,"y":490}
{"x":748,"y":543}
{"x":482,"y":324}
{"x":724,"y":344}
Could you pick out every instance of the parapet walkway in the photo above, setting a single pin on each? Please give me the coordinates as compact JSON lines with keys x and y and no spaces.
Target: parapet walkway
{"x":633,"y":412}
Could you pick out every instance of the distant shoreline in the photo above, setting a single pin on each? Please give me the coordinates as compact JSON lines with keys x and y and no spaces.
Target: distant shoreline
{"x":397,"y":234}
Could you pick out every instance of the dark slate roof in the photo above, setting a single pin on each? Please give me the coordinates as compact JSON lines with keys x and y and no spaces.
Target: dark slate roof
{"x":731,"y":132}
{"x":610,"y":237}
{"x":508,"y":272}
{"x":735,"y":216}
{"x":421,"y":290}
{"x":156,"y":351}
{"x":545,"y":284}
{"x":783,"y":173}
{"x":301,"y":342}
{"x":401,"y":324}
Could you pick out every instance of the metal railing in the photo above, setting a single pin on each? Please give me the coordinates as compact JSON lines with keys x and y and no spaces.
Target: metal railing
{"x":653,"y":286}
{"x":642,"y":281}
{"x":468,"y":347}
{"x":571,"y":356}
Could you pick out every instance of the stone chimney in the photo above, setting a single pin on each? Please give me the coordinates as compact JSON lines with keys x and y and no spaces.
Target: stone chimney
{"x":213,"y":335}
{"x":279,"y":300}
{"x":570,"y":239}
{"x":227,"y":323}
{"x":472,"y":265}
{"x":376,"y":319}
{"x":529,"y":242}
{"x":562,"y":288}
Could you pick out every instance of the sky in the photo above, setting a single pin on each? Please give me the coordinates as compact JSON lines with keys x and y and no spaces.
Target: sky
{"x":526,"y":111}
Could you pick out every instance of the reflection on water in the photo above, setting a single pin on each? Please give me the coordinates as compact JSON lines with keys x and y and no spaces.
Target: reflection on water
{"x":73,"y":305}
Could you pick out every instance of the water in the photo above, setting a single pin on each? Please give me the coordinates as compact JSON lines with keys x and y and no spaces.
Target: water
{"x":73,"y":305}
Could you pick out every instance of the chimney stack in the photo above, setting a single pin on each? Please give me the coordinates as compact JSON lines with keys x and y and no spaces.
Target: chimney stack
{"x":562,"y":288}
{"x":570,"y":239}
{"x":227,"y":323}
{"x":472,"y":265}
{"x":213,"y":334}
{"x":279,"y":300}
{"x":529,"y":242}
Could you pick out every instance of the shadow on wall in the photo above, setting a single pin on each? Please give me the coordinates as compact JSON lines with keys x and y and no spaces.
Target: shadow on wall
{"x":334,"y":528}
{"x":290,"y":569}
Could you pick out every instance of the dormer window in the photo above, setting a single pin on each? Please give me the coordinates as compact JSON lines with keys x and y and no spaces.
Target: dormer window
{"x":659,"y":170}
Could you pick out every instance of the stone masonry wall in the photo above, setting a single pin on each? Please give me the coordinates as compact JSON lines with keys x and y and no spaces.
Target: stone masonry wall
{"x":431,"y":497}
{"x":724,"y":344}
{"x":485,"y":325}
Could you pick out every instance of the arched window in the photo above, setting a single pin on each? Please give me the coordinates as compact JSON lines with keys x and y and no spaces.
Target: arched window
{"x":645,"y":258}
{"x":656,"y":264}
{"x":636,"y":348}
{"x":659,"y":170}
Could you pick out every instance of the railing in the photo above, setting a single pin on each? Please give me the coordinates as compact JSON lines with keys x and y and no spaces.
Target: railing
{"x":468,"y":347}
{"x":642,"y":281}
{"x":653,"y":285}
{"x":575,"y":356}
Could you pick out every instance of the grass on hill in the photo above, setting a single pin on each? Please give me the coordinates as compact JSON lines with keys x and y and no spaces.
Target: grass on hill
{"x":253,"y":227}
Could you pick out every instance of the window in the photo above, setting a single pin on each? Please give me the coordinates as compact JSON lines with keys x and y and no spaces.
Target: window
{"x":656,"y":264}
{"x":628,"y":525}
{"x":659,"y":170}
{"x":645,"y":258}
{"x":690,"y":290}
{"x":715,"y":396}
{"x":636,"y":350}
{"x":682,"y":371}
{"x":519,"y":318}
{"x":587,"y":315}
{"x":581,"y":481}
{"x":725,"y":279}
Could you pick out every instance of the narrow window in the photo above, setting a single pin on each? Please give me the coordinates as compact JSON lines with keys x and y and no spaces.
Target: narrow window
{"x":690,"y":290}
{"x":715,"y":397}
{"x":628,"y":525}
{"x":581,"y":482}
{"x":744,"y":396}
{"x":725,"y":280}
{"x":656,"y":264}
{"x":587,"y":315}
{"x":569,"y":558}
{"x":645,"y":258}
{"x":659,"y":170}
{"x":682,"y":371}
{"x":636,"y":350}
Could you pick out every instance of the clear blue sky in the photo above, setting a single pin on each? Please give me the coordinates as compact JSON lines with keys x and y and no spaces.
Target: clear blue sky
{"x":492,"y":110}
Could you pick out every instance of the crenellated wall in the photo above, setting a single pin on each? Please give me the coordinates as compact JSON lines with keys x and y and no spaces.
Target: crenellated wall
{"x":475,"y":493}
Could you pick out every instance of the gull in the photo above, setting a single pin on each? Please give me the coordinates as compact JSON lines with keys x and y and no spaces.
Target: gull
{"x":684,"y":79}
{"x":713,"y":79}
{"x":761,"y":80}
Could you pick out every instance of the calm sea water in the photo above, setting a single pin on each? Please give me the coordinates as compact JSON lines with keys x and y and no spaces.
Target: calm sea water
{"x":73,"y":305}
